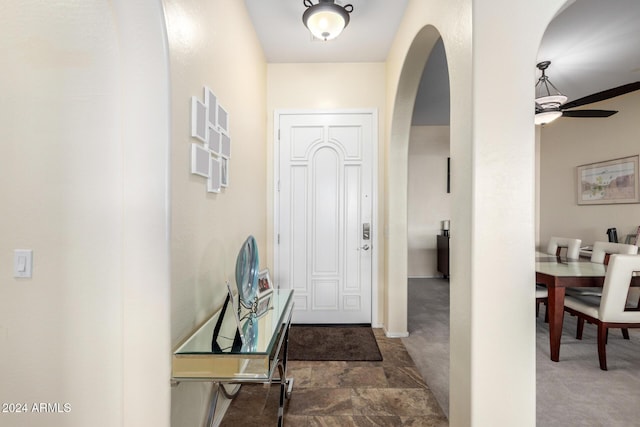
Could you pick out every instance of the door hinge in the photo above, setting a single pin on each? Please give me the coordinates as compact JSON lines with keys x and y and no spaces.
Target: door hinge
{"x":278,"y":238}
{"x":278,"y":134}
{"x":278,"y":186}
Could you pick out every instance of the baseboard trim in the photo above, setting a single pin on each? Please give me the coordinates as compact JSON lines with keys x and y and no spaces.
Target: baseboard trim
{"x":396,"y":334}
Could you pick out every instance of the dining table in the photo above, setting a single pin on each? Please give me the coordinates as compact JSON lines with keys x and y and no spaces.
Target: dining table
{"x":557,"y":274}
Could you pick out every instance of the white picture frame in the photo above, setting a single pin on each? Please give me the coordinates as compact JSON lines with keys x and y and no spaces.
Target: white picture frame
{"x":198,"y":119}
{"x":222,"y":119}
{"x":225,"y":146}
{"x":214,"y":183}
{"x":224,"y":172}
{"x":211,"y":102}
{"x":214,"y":141}
{"x":199,"y":160}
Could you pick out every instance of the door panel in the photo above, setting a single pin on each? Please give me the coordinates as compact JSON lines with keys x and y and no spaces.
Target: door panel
{"x":325,"y":185}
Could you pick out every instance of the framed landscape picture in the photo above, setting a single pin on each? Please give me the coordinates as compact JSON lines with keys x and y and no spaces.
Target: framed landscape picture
{"x":608,"y":182}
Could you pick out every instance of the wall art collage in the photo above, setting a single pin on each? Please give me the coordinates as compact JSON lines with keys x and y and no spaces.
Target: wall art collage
{"x":211,"y":153}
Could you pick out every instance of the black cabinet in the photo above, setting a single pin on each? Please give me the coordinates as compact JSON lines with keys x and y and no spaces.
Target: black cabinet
{"x":443,"y":255}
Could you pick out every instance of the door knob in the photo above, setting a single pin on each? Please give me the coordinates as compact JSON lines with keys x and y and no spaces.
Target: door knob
{"x":365,"y":248}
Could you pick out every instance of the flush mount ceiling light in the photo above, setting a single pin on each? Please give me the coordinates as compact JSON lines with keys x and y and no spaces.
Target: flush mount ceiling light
{"x":548,"y":98}
{"x":326,"y":20}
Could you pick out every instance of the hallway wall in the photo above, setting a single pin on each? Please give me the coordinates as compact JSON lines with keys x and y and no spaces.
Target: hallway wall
{"x":83,"y":168}
{"x":212,"y":43}
{"x":61,"y":151}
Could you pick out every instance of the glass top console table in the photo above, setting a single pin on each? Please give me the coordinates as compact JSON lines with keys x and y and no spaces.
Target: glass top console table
{"x":220,"y":352}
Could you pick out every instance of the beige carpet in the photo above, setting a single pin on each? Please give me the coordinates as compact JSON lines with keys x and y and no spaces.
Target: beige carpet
{"x":572,"y":392}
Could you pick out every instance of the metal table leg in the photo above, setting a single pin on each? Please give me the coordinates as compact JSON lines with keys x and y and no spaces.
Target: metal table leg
{"x":213,"y":401}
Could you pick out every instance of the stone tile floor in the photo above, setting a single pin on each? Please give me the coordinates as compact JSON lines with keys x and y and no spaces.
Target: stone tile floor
{"x":386,"y":393}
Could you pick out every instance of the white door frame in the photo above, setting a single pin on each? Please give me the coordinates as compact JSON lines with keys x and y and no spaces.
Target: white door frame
{"x":375,"y":321}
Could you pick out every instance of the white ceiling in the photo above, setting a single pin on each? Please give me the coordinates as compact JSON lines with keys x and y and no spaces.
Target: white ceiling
{"x":593,"y":45}
{"x":367,"y":38}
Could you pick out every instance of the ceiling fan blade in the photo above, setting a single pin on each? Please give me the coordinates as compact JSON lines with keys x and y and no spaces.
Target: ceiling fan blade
{"x":588,"y":113}
{"x":601,"y":96}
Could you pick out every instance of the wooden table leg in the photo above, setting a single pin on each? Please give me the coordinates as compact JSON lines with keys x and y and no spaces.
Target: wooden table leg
{"x":556,"y":316}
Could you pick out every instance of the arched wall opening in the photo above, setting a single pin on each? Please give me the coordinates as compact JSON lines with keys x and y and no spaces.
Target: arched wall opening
{"x":397,"y":160}
{"x":428,"y":209}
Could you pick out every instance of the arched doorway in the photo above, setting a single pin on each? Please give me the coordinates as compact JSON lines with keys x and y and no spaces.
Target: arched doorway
{"x":428,"y":206}
{"x":396,"y":206}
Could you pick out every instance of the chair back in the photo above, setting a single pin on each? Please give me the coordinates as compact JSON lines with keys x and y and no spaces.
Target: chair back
{"x":633,"y":299}
{"x":572,"y":245}
{"x":602,"y":250}
{"x":616,"y":289}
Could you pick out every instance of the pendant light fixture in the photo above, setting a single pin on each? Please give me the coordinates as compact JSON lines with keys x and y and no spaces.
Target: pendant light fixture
{"x":548,"y":98}
{"x":326,"y":20}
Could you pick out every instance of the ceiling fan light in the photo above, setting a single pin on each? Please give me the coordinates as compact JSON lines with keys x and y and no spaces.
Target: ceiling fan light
{"x":326,"y":20}
{"x":546,"y":117}
{"x":547,"y":102}
{"x":551,"y":100}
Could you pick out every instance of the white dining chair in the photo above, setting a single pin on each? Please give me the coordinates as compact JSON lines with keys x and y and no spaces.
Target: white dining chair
{"x":601,"y":253}
{"x":572,"y":247}
{"x":613,"y":309}
{"x":555,"y":246}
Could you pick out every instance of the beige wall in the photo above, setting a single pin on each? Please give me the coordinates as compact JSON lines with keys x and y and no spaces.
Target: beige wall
{"x":567,"y":143}
{"x":212,"y":43}
{"x":66,"y":205}
{"x":83,"y":155}
{"x":428,"y":200}
{"x":326,"y":87}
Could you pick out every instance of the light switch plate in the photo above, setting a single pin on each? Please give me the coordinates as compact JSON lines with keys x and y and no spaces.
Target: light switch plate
{"x":22,"y":263}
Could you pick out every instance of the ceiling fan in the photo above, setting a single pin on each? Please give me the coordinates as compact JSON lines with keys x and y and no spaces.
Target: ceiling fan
{"x":551,"y":104}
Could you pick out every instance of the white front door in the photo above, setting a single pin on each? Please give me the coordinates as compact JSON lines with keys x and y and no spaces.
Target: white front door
{"x":324,"y":214}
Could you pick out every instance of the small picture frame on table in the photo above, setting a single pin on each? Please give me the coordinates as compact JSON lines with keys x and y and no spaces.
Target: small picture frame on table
{"x":265,"y":292}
